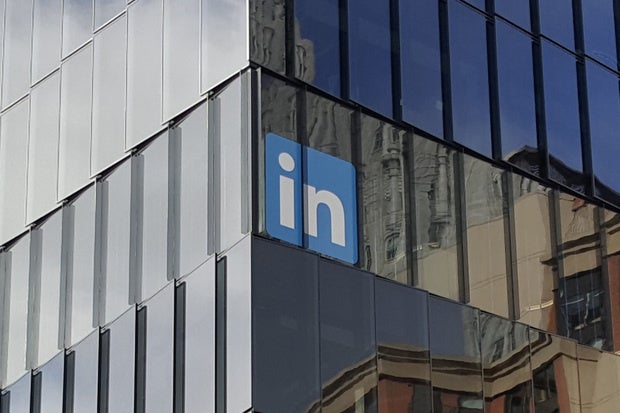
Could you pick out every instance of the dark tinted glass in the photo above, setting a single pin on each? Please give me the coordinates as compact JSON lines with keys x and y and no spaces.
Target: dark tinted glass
{"x":286,"y":334}
{"x":328,"y":127}
{"x":470,"y":82}
{"x":403,"y":348}
{"x":278,"y":108}
{"x":598,"y":30}
{"x":421,"y":65}
{"x":455,"y":353}
{"x":477,"y":3}
{"x":348,"y":365}
{"x":370,"y":54}
{"x":556,"y":21}
{"x":604,"y":101}
{"x":267,"y":29}
{"x":318,"y":49}
{"x":561,"y":109}
{"x":516,"y":11}
{"x":516,"y":96}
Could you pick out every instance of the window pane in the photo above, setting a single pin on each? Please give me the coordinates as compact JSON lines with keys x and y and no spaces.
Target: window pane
{"x":43,"y":147}
{"x":516,"y":97}
{"x":109,"y":85}
{"x":516,"y":11}
{"x":328,"y":126}
{"x":13,"y":170}
{"x":18,"y":395}
{"x":370,"y":54}
{"x":346,"y":300}
{"x":17,"y":50}
{"x":285,"y":325}
{"x":435,"y":251}
{"x":86,"y":362}
{"x":144,"y":70}
{"x":318,"y":58}
{"x":52,"y":384}
{"x":383,"y":179}
{"x":486,"y":250}
{"x":470,"y":81}
{"x":556,"y":21}
{"x":610,"y":225}
{"x":455,"y":352}
{"x":106,"y":9}
{"x":267,"y":29}
{"x":422,"y":102}
{"x":77,"y":24}
{"x":122,"y":359}
{"x":46,"y":37}
{"x":598,"y":30}
{"x":599,"y":380}
{"x":75,"y":122}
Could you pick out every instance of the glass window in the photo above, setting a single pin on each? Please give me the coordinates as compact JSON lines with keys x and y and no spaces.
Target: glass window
{"x":86,"y":366}
{"x":347,"y":339}
{"x":403,"y":348}
{"x":13,"y":170}
{"x":224,"y":47}
{"x":107,"y":9}
{"x":435,"y":249}
{"x":77,"y":24}
{"x":278,"y":108}
{"x":46,"y":37}
{"x":200,"y":339}
{"x":122,"y":359}
{"x":181,"y":44}
{"x":516,"y":97}
{"x":470,"y":80}
{"x":18,"y":396}
{"x":517,"y":12}
{"x":144,"y":70}
{"x":52,"y":375}
{"x":17,"y":50}
{"x":455,"y":352}
{"x":604,"y":101}
{"x":562,"y":111}
{"x":317,"y":60}
{"x":599,"y":379}
{"x":267,"y":31}
{"x":610,"y":225}
{"x":15,"y":314}
{"x":420,"y":54}
{"x":556,"y":21}
{"x":383,"y":175}
{"x":76,"y":94}
{"x":370,"y":54}
{"x":109,"y":85}
{"x":285,"y":325}
{"x":159,"y":351}
{"x":506,"y":364}
{"x":485,"y":214}
{"x":599,"y":31}
{"x":43,"y":147}
{"x":328,"y":126}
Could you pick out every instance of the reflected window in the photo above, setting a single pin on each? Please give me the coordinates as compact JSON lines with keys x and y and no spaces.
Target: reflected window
{"x":267,"y":31}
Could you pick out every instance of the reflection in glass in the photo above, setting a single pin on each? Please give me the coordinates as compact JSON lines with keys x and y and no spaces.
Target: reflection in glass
{"x":383,"y":179}
{"x":200,"y":339}
{"x":610,"y":226}
{"x":43,"y":147}
{"x":556,"y":21}
{"x":106,"y":9}
{"x":328,"y":127}
{"x":486,"y":250}
{"x":17,"y":50}
{"x":470,"y":81}
{"x":599,"y":380}
{"x":19,"y":395}
{"x":370,"y":54}
{"x":181,"y":56}
{"x":278,"y":108}
{"x":403,"y":349}
{"x":159,"y":351}
{"x":285,"y":325}
{"x":75,"y":122}
{"x":435,"y":251}
{"x":506,"y":364}
{"x":455,"y":353}
{"x":77,"y":24}
{"x":122,"y":359}
{"x":317,"y":30}
{"x":52,"y":385}
{"x":109,"y":85}
{"x":598,"y":31}
{"x":348,"y":363}
{"x":144,"y":70}
{"x":46,"y":37}
{"x":86,"y":360}
{"x":267,"y":29}
{"x":422,"y":103}
{"x":516,"y":11}
{"x":13,"y":170}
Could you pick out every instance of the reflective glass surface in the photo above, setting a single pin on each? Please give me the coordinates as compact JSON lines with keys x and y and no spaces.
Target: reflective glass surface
{"x":347,"y":339}
{"x":77,"y":24}
{"x":19,"y":396}
{"x":486,"y":214}
{"x":556,"y":21}
{"x":279,"y":108}
{"x":422,"y":103}
{"x":318,"y":59}
{"x":516,"y":96}
{"x":285,"y":325}
{"x":144,"y":70}
{"x":52,"y":384}
{"x":599,"y":31}
{"x":122,"y":358}
{"x":109,"y":86}
{"x":43,"y":147}
{"x":383,"y":176}
{"x":47,"y":26}
{"x":370,"y":54}
{"x":17,"y":50}
{"x":328,"y":127}
{"x":86,"y":361}
{"x":106,"y":9}
{"x":13,"y":170}
{"x":75,"y":122}
{"x":267,"y":28}
{"x":516,"y":11}
{"x":599,"y":380}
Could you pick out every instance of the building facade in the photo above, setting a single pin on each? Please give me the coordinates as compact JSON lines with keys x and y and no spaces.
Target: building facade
{"x":295,"y":206}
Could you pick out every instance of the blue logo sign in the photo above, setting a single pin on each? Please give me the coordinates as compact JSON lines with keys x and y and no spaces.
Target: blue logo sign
{"x":310,"y":198}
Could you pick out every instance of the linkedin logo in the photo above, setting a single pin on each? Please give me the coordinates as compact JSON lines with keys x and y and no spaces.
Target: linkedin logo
{"x":310,"y":198}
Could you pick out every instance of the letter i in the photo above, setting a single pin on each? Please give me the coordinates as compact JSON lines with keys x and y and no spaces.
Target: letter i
{"x":287,"y":192}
